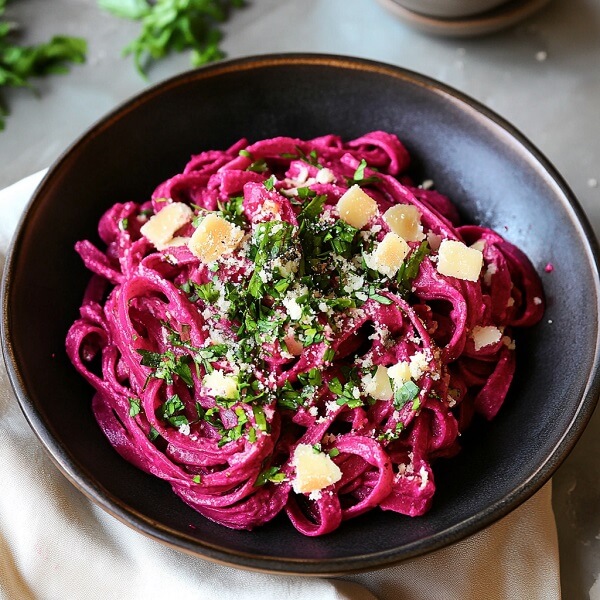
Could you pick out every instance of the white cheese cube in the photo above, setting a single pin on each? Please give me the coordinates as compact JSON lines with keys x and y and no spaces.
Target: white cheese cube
{"x":214,"y":237}
{"x":161,"y":227}
{"x":389,"y":255}
{"x":378,"y":386}
{"x":400,"y":373}
{"x":356,"y":207}
{"x":219,"y":384}
{"x":485,"y":336}
{"x":314,"y":470}
{"x":405,"y":220}
{"x":458,"y":260}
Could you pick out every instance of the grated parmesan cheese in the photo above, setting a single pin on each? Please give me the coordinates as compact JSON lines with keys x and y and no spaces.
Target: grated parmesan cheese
{"x":400,"y":372}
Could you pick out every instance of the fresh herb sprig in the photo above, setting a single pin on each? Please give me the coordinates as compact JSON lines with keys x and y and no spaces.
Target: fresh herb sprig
{"x":174,"y":26}
{"x":19,"y":63}
{"x":359,"y":177}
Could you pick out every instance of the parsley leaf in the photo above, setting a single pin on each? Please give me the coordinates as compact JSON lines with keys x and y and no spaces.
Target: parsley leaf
{"x":171,"y":411}
{"x":407,"y":392}
{"x":410,"y":269}
{"x":359,"y":175}
{"x":166,"y":365}
{"x":207,"y":292}
{"x":346,"y":393}
{"x":18,"y":64}
{"x":174,"y":26}
{"x":313,"y":209}
{"x":272,"y":474}
{"x":233,"y":211}
{"x":153,"y":434}
{"x":134,"y":406}
{"x":271,"y":239}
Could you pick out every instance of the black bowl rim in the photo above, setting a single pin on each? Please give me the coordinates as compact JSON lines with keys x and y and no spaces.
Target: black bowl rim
{"x":84,"y":481}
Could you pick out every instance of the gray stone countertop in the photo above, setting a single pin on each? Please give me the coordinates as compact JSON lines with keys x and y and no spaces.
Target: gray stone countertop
{"x":542,"y":75}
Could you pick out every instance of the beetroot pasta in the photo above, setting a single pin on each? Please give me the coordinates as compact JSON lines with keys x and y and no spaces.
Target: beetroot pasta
{"x":295,"y":326}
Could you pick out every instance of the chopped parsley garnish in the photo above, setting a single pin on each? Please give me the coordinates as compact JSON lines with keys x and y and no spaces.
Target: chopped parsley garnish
{"x":270,"y":183}
{"x":347,"y":393}
{"x":272,"y":474}
{"x":258,"y":166}
{"x":260,"y":418}
{"x":407,"y":392}
{"x":201,"y":356}
{"x":374,"y":295}
{"x":207,"y":292}
{"x":271,"y":240}
{"x":310,"y":159}
{"x":134,"y":406}
{"x":391,"y":435}
{"x":166,"y":365}
{"x":410,"y":269}
{"x":172,"y":411}
{"x":359,"y":176}
{"x":233,"y":211}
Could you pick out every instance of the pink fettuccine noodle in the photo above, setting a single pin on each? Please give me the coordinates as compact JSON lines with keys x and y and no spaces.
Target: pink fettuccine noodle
{"x":155,"y":323}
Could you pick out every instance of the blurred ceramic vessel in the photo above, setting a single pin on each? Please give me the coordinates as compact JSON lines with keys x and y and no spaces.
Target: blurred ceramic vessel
{"x":450,"y":9}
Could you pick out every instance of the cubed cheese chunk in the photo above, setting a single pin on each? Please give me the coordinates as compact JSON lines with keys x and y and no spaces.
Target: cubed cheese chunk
{"x":378,"y":386}
{"x":161,"y":227}
{"x":356,"y":207}
{"x":485,"y":336}
{"x":457,"y":260}
{"x":219,"y":384}
{"x":214,"y":237}
{"x":400,"y":372}
{"x":405,"y":220}
{"x":314,"y":470}
{"x":389,"y":255}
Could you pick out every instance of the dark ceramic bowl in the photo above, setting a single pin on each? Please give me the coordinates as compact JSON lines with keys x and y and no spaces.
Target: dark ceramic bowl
{"x":491,"y":171}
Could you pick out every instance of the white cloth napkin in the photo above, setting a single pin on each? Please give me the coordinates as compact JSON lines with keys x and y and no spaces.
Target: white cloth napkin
{"x":56,"y":544}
